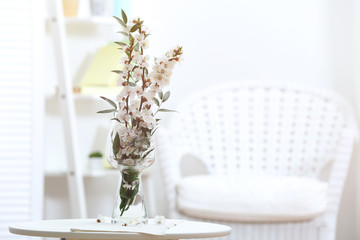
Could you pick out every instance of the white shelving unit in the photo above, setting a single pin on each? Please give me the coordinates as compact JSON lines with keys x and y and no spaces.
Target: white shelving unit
{"x":74,"y":173}
{"x":66,"y":101}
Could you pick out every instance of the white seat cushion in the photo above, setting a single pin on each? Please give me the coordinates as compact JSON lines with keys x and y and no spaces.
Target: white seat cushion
{"x":251,"y":198}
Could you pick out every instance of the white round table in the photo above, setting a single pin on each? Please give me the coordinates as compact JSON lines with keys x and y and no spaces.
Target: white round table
{"x":61,"y":229}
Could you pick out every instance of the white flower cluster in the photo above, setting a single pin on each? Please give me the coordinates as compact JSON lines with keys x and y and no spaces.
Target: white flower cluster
{"x":137,"y":103}
{"x":138,"y":99}
{"x":162,"y":69}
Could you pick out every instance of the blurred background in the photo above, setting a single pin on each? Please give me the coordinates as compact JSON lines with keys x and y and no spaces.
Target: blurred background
{"x":312,"y":43}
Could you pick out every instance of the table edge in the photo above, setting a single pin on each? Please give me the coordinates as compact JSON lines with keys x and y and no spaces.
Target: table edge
{"x":21,"y":230}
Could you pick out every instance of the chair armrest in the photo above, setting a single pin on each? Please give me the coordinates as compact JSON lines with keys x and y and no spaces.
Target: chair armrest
{"x":342,"y":157}
{"x":169,"y":166}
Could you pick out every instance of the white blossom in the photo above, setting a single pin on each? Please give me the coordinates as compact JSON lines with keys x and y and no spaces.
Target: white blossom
{"x":122,"y":115}
{"x":135,"y":56}
{"x":160,"y":219}
{"x":168,"y":65}
{"x":127,"y":186}
{"x":124,"y":49}
{"x":129,"y":162}
{"x":140,"y":37}
{"x":137,"y":73}
{"x":103,"y":219}
{"x":134,"y":222}
{"x":127,"y":67}
{"x":127,"y":137}
{"x":128,"y":150}
{"x":126,"y":91}
{"x":143,"y":61}
{"x":160,"y":79}
{"x":148,"y":119}
{"x":124,"y":59}
{"x":149,"y":95}
{"x":144,"y":44}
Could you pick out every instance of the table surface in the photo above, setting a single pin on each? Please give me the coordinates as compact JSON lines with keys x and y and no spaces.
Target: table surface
{"x":61,"y":229}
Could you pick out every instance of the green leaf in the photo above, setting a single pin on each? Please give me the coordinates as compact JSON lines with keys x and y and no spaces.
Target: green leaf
{"x":120,"y":21}
{"x":121,"y":43}
{"x":131,"y":38}
{"x":116,"y":119}
{"x":166,"y":110}
{"x":161,"y":95}
{"x":123,"y":203}
{"x":107,"y":111}
{"x":116,"y":144}
{"x":156,"y":101}
{"x":131,"y":175}
{"x":124,"y":17}
{"x":166,"y":96}
{"x":129,"y":204}
{"x":135,"y":67}
{"x":158,"y":119}
{"x":134,"y":192}
{"x":95,"y":155}
{"x":134,"y":28}
{"x":117,"y":71}
{"x":110,"y":101}
{"x":124,"y":33}
{"x":122,"y":191}
{"x":154,"y":131}
{"x":137,"y":47}
{"x":147,"y":153}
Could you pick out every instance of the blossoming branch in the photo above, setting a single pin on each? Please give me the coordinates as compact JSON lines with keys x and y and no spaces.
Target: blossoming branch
{"x":142,"y":94}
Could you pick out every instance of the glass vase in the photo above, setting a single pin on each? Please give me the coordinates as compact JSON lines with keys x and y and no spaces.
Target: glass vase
{"x":129,"y":204}
{"x":130,"y":155}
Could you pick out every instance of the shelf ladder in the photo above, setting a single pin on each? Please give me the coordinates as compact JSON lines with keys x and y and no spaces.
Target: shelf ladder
{"x":66,"y":101}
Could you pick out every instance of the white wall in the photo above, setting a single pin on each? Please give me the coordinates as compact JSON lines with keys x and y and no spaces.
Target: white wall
{"x":305,"y":42}
{"x":308,"y":42}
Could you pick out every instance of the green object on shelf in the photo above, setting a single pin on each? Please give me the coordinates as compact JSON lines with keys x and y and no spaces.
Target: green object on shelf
{"x":99,"y":73}
{"x":99,"y":77}
{"x":95,"y":155}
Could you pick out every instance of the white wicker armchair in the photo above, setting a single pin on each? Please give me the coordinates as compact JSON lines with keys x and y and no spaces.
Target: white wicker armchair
{"x":251,"y":128}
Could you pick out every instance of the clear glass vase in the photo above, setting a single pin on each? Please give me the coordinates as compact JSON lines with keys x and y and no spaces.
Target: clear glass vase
{"x":129,"y":206}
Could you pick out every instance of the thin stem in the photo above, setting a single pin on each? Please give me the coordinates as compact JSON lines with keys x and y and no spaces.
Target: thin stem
{"x":158,"y":108}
